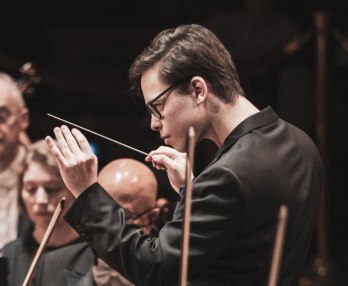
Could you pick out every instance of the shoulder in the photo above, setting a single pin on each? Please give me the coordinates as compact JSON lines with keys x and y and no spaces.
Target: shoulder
{"x":13,"y":247}
{"x":69,"y":252}
{"x":75,"y":258}
{"x":77,"y":255}
{"x":219,"y":184}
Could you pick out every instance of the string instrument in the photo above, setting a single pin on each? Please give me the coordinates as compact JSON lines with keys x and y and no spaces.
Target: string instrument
{"x":27,"y":83}
{"x":29,"y":79}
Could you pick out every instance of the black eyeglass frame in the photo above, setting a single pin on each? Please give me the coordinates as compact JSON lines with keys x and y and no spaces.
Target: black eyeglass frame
{"x":132,"y":218}
{"x":139,"y":215}
{"x":150,"y":106}
{"x":164,"y":210}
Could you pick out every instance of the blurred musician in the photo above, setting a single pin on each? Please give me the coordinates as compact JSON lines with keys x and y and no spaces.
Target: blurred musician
{"x":133,"y":185}
{"x":14,"y":120}
{"x":41,"y":189}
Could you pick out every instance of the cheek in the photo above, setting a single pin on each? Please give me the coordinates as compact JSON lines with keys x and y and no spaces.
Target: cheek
{"x":27,"y":200}
{"x":12,"y":130}
{"x":28,"y":203}
{"x":178,"y":131}
{"x":180,"y":112}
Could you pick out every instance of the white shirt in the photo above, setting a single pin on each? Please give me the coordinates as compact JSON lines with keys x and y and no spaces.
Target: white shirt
{"x":9,"y":209}
{"x":104,"y":275}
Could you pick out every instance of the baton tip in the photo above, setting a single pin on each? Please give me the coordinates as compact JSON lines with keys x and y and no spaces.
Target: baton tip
{"x":62,"y":203}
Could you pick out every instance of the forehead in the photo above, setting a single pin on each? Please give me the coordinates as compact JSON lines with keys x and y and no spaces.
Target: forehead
{"x":37,"y":172}
{"x":151,"y":84}
{"x":6,"y":98}
{"x":4,"y":95}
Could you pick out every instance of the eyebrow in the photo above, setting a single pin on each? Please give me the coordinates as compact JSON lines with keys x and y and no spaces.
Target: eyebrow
{"x":48,"y":183}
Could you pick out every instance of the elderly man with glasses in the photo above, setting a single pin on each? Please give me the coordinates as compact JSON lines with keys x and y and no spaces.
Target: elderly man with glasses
{"x":14,"y":120}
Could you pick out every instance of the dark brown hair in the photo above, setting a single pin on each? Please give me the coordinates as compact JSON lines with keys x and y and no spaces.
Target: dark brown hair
{"x":187,"y":51}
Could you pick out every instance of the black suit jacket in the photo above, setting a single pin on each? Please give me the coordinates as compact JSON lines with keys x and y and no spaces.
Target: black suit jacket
{"x":67,"y":266}
{"x":263,"y":163}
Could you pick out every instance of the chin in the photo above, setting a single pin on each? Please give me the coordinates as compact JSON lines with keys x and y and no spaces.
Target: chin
{"x":42,"y":224}
{"x":43,"y":220}
{"x":177,"y":145}
{"x":179,"y":148}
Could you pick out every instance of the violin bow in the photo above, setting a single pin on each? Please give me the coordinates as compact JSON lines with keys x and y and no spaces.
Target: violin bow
{"x":45,"y":240}
{"x":187,"y":209}
{"x":278,"y":245}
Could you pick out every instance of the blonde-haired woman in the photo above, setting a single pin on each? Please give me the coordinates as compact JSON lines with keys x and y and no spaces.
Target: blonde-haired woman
{"x":41,"y":190}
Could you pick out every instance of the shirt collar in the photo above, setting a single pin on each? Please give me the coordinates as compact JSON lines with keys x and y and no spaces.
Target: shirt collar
{"x":255,"y":121}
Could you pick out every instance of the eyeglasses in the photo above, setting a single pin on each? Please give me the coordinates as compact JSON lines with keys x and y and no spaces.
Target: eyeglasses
{"x":6,"y":114}
{"x":132,"y":218}
{"x":150,"y":217}
{"x":151,"y":106}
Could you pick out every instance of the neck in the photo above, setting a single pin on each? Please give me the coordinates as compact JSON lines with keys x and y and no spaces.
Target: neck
{"x":62,"y":234}
{"x":228,"y":117}
{"x":8,"y":158}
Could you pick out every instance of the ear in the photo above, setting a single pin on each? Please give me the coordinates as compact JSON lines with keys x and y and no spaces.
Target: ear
{"x":154,"y":214}
{"x":200,"y":89}
{"x":23,"y":119}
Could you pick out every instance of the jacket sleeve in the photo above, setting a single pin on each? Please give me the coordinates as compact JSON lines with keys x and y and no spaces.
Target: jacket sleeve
{"x":217,"y":206}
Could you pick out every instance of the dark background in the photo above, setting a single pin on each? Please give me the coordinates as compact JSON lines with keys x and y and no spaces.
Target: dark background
{"x":82,"y":51}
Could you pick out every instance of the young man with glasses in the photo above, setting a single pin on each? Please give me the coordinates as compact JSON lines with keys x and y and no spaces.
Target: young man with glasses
{"x":14,"y":120}
{"x":188,"y":78}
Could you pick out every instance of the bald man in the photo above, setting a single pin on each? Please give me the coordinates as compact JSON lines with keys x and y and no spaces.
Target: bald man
{"x":134,"y":187}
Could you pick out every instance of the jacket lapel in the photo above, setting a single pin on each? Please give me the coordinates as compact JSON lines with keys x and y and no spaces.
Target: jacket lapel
{"x":258,"y":120}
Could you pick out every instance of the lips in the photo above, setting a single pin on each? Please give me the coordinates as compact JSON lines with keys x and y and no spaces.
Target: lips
{"x":43,"y":214}
{"x":165,"y":139}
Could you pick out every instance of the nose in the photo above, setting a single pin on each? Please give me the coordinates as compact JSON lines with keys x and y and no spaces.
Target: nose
{"x":155,"y":123}
{"x":41,"y":196}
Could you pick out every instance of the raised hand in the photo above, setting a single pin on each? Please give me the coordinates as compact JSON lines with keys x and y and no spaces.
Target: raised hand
{"x":77,"y":163}
{"x":171,"y":160}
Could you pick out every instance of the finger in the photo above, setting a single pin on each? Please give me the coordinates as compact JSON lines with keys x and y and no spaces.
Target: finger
{"x":158,"y":166}
{"x":170,"y":152}
{"x":55,"y":151}
{"x":163,"y":149}
{"x":70,"y":139}
{"x":155,"y":165}
{"x":163,"y":160}
{"x":82,"y":141}
{"x":62,"y":144}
